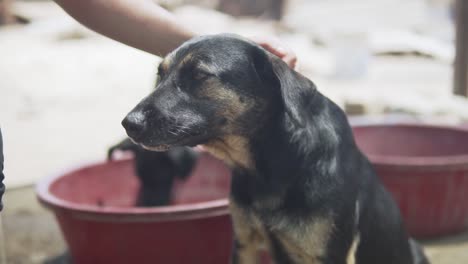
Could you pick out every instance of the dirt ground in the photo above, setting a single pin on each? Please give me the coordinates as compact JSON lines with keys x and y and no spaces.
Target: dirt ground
{"x":31,"y":233}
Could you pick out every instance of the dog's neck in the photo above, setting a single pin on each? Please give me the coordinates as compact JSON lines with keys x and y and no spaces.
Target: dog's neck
{"x":284,"y":156}
{"x":233,"y":150}
{"x":280,"y":149}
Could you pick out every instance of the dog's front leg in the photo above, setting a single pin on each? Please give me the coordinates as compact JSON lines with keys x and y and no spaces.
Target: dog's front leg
{"x":243,"y":253}
{"x":246,"y":238}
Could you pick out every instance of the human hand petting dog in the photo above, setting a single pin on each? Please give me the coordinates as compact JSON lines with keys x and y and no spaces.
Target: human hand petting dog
{"x":144,"y":25}
{"x":278,"y":48}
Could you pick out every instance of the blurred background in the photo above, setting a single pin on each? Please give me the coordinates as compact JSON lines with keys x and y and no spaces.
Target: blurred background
{"x":64,"y":89}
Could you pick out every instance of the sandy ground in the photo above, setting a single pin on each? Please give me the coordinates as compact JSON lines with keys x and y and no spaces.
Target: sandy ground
{"x":31,"y":233}
{"x":64,"y":90}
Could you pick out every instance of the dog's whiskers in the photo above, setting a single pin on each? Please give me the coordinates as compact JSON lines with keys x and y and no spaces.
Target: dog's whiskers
{"x":182,"y":129}
{"x":173,"y":132}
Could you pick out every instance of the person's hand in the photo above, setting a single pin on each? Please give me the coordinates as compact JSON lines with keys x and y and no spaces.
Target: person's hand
{"x":276,"y":47}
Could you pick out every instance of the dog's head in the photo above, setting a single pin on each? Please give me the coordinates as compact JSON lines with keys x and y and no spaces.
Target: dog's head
{"x":212,"y":87}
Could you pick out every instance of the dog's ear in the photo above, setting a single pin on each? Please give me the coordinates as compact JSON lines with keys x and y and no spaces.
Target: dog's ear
{"x":296,"y":91}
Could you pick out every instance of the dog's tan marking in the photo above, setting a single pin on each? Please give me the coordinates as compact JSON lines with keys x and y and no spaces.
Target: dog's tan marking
{"x":304,"y":243}
{"x":166,"y":63}
{"x":307,"y":242}
{"x":205,"y":67}
{"x":249,"y":234}
{"x":187,"y":59}
{"x":234,"y":150}
{"x":352,"y":250}
{"x":235,"y":106}
{"x":351,"y":259}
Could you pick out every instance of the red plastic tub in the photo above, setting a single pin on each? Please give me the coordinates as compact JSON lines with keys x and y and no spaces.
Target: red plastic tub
{"x":426,"y":169}
{"x":94,"y":207}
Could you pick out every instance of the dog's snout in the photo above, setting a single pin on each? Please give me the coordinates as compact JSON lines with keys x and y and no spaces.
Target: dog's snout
{"x":135,"y":124}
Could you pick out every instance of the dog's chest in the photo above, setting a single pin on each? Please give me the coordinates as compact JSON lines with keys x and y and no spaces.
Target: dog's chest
{"x":303,"y":241}
{"x":268,"y":214}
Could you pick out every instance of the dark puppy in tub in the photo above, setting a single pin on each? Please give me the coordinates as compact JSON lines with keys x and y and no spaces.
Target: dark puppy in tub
{"x":300,"y":186}
{"x":157,"y":171}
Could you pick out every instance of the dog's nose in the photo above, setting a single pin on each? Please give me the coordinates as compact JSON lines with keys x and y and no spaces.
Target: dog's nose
{"x":134,"y":123}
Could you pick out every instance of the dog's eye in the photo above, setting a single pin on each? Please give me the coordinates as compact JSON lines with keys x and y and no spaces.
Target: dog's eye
{"x":200,"y":76}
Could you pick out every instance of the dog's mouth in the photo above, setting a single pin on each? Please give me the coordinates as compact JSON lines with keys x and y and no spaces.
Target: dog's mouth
{"x":159,"y":148}
{"x":190,"y":141}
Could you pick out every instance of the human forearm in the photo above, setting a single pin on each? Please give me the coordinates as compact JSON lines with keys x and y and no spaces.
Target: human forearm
{"x":138,"y":23}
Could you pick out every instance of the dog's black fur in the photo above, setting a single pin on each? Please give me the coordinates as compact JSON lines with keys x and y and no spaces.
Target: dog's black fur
{"x":300,"y":185}
{"x":157,"y":171}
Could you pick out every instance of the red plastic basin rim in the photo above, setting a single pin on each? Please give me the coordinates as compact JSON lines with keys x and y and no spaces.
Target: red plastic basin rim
{"x":220,"y":207}
{"x":449,"y":162}
{"x":125,"y":214}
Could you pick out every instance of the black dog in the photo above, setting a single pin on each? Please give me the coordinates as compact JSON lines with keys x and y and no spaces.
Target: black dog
{"x":300,"y":185}
{"x":157,"y":170}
